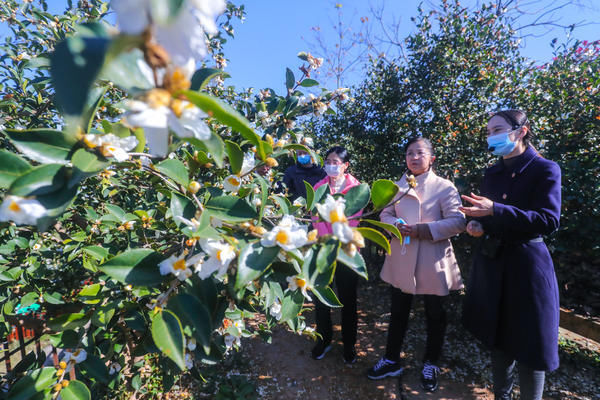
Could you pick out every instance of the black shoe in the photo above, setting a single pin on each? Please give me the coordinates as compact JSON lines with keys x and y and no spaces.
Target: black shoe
{"x":384,"y":368}
{"x":349,"y":356}
{"x":321,"y":348}
{"x":429,"y":377}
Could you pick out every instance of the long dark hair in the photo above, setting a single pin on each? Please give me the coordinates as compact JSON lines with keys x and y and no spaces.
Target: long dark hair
{"x":341,"y":152}
{"x":517,"y":119}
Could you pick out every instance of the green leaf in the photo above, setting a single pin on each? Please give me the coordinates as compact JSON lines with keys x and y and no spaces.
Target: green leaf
{"x":253,"y":261}
{"x":214,"y":145}
{"x":308,"y":83}
{"x":137,"y":267}
{"x":93,"y":102}
{"x":356,"y":263}
{"x":124,"y":72}
{"x":11,"y":167}
{"x":34,"y":382}
{"x":65,"y":339}
{"x":29,"y":299}
{"x":74,"y":66}
{"x":98,"y":252}
{"x":327,"y":254}
{"x":327,"y":296}
{"x":303,"y":56}
{"x":175,"y":170}
{"x":103,"y":315}
{"x":93,"y":367}
{"x":181,"y":206}
{"x":290,"y":81}
{"x":231,"y":209}
{"x":53,"y":298}
{"x":168,"y":336}
{"x":75,"y":391}
{"x":117,"y":212}
{"x":203,"y":76}
{"x":68,"y":321}
{"x":56,"y":203}
{"x":236,"y":156}
{"x":291,"y":304}
{"x":320,"y":194}
{"x":85,"y":165}
{"x":284,"y":204}
{"x":89,"y":294}
{"x":228,"y":116}
{"x":194,"y":314}
{"x":383,"y":192}
{"x":264,"y":195}
{"x":310,"y":195}
{"x":388,"y":227}
{"x":377,"y":237}
{"x":44,"y":179}
{"x":356,"y":198}
{"x":42,"y":145}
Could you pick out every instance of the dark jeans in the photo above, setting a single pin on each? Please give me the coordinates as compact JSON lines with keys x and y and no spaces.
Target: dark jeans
{"x":503,"y":369}
{"x":436,"y":325}
{"x":346,"y":282}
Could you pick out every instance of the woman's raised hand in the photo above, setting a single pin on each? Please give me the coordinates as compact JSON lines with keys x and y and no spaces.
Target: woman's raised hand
{"x":481,"y":206}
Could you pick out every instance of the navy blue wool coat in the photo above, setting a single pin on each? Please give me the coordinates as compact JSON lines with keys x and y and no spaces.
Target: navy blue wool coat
{"x":511,"y":301}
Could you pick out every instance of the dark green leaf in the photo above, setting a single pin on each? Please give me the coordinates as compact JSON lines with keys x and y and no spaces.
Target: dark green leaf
{"x":137,"y":267}
{"x":290,"y":81}
{"x":76,"y":391}
{"x":253,"y":261}
{"x":327,"y":296}
{"x":309,"y":83}
{"x":357,"y":198}
{"x":98,"y":252}
{"x":236,"y":156}
{"x":377,"y":237}
{"x":194,"y":314}
{"x":42,"y":145}
{"x":203,"y":76}
{"x":95,"y":368}
{"x":39,"y":180}
{"x":356,"y":263}
{"x":388,"y":227}
{"x":310,"y":195}
{"x":167,"y":334}
{"x":34,"y":382}
{"x":175,"y":170}
{"x":68,"y":321}
{"x":214,"y":145}
{"x":85,"y":164}
{"x":181,"y":206}
{"x":93,"y":102}
{"x":231,"y":209}
{"x":11,"y":167}
{"x":327,"y":254}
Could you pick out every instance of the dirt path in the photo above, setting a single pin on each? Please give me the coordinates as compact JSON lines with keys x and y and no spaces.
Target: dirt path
{"x":284,"y":369}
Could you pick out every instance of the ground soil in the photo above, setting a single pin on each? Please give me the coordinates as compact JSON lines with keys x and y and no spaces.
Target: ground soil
{"x":284,"y":370}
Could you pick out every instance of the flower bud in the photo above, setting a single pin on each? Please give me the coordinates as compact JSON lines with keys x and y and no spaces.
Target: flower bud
{"x":271,"y":162}
{"x":193,"y":187}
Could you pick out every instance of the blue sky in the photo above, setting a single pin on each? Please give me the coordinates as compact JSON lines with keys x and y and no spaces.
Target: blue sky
{"x":272,"y":34}
{"x":274,"y":31}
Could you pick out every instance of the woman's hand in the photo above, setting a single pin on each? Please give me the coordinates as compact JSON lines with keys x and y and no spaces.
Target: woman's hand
{"x":408,"y":230}
{"x":481,"y":206}
{"x":474,"y":228}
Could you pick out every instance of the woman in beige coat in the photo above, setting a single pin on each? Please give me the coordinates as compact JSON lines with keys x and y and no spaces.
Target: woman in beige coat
{"x":427,"y":216}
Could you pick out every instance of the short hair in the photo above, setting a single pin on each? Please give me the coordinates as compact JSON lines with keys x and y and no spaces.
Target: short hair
{"x":340,"y":151}
{"x":516,"y":119}
{"x":416,"y":139}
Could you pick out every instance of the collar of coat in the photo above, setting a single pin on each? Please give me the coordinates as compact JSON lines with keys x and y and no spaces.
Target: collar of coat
{"x":523,"y":160}
{"x":421,"y":179}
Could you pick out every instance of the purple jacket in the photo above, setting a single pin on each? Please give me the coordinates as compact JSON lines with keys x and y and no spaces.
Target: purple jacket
{"x":511,"y":301}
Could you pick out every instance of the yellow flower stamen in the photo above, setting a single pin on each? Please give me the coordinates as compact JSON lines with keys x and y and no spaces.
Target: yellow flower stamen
{"x":233,"y":181}
{"x":282,"y":237}
{"x":177,"y":106}
{"x":312,"y":235}
{"x":177,"y":81}
{"x":179,"y":265}
{"x":337,"y":216}
{"x":157,"y":98}
{"x":300,"y":282}
{"x":14,"y":207}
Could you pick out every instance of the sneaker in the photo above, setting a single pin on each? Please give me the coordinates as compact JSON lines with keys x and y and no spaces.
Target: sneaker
{"x":349,"y":356}
{"x":384,"y":368}
{"x":429,"y":377}
{"x":321,"y":348}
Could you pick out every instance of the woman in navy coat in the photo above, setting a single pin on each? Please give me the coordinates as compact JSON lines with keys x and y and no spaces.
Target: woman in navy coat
{"x":511,"y":301}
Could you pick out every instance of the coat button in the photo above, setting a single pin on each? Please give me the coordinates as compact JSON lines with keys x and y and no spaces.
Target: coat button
{"x":513,"y":175}
{"x":504,"y":196}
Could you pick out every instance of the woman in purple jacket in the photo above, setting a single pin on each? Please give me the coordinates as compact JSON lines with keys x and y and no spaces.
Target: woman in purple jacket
{"x":511,"y":302}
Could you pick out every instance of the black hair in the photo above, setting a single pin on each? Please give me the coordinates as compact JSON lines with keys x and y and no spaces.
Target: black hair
{"x":516,"y":119}
{"x":340,"y":151}
{"x":415,"y":139}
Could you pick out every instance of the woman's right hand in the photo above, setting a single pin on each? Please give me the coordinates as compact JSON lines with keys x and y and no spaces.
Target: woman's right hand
{"x":474,"y":228}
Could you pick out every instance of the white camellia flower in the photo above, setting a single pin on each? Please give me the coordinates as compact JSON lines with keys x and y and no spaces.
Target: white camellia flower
{"x":75,"y":357}
{"x":231,"y":340}
{"x":232,"y":183}
{"x":157,"y":118}
{"x":114,"y":368}
{"x":111,"y":145}
{"x":21,"y":211}
{"x":288,"y":234}
{"x":295,"y":282}
{"x":248,"y":163}
{"x":184,"y":36}
{"x":220,"y":256}
{"x":176,"y":265}
{"x":275,"y":310}
{"x":332,"y":211}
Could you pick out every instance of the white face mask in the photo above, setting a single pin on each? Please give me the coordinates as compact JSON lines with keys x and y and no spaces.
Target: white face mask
{"x":333,"y":170}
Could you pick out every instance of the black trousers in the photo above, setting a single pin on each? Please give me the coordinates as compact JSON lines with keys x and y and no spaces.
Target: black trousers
{"x":435,"y":316}
{"x":345,"y":281}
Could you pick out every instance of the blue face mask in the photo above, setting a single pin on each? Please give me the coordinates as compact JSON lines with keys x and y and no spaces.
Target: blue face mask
{"x":304,"y":159}
{"x":500,"y":144}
